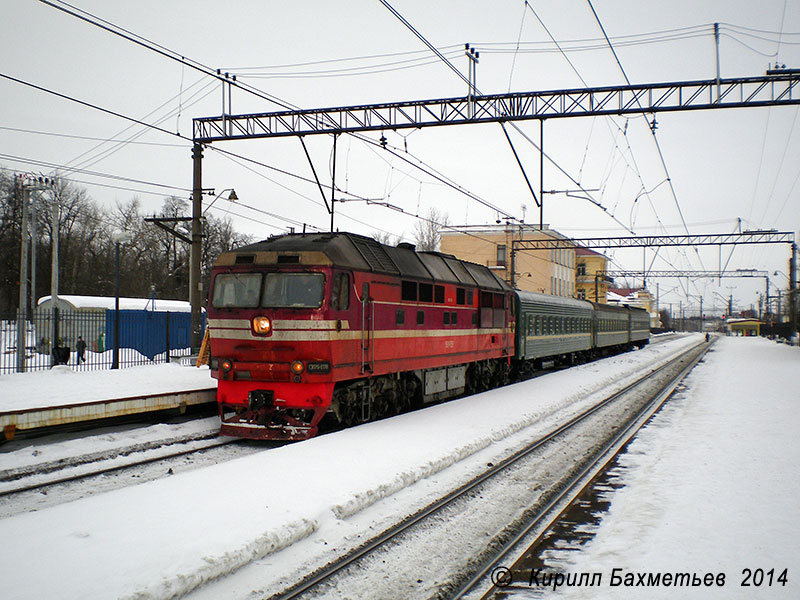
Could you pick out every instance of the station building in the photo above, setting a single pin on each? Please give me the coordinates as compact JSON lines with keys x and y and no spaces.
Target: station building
{"x":591,"y":281}
{"x":743,"y":327}
{"x":550,"y":271}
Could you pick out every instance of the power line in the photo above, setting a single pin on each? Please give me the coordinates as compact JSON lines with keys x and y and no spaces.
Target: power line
{"x":425,"y":41}
{"x":41,"y":163}
{"x":139,"y":40}
{"x":652,"y":131}
{"x":88,"y":138}
{"x":92,"y":106}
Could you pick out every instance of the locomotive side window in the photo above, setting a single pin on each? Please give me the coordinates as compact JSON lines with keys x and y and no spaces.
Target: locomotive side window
{"x":409,"y":291}
{"x":399,"y":317}
{"x":470,"y":298}
{"x":295,"y":290}
{"x":446,"y":318}
{"x":486,"y":300}
{"x":420,"y":317}
{"x":340,"y":295}
{"x":461,"y":295}
{"x":438,"y":294}
{"x":236,"y":290}
{"x":425,"y":292}
{"x":454,"y":318}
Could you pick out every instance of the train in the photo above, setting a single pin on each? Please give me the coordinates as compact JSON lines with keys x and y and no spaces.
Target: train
{"x":310,"y":330}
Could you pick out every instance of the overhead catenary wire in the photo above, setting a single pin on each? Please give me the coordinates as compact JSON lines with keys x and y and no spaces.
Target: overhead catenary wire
{"x":652,"y":131}
{"x":139,"y":40}
{"x":160,"y":49}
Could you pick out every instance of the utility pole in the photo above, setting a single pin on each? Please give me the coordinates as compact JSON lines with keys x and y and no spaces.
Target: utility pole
{"x":701,"y":314}
{"x":24,"y":301}
{"x":716,"y":43}
{"x":541,"y":175}
{"x":195,"y":283}
{"x":56,"y":215}
{"x":22,"y":313}
{"x":472,"y":70}
{"x":793,"y":290}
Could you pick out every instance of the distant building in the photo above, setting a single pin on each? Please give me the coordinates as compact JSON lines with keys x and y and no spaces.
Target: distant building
{"x":639,"y":297}
{"x":743,"y":327}
{"x":545,"y":271}
{"x":591,"y":281}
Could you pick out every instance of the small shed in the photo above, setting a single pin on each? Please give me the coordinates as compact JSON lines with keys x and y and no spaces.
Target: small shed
{"x":146,"y":324}
{"x":743,"y":327}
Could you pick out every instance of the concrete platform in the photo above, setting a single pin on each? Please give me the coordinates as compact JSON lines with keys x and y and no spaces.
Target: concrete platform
{"x":31,"y":402}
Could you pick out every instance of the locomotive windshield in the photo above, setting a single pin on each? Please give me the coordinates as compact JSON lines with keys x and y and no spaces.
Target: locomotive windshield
{"x":236,"y":290}
{"x":278,"y":290}
{"x":295,"y":290}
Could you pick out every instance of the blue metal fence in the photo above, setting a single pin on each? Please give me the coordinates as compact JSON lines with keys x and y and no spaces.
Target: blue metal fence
{"x":145,"y":337}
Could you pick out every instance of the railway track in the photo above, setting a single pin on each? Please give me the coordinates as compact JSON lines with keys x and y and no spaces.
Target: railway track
{"x":542,"y":497}
{"x":34,"y":477}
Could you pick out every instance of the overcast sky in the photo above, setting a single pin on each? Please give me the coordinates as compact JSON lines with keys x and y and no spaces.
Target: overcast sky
{"x":724,"y":165}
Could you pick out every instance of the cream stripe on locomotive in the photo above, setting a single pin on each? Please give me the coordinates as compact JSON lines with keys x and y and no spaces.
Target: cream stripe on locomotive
{"x":277,"y":324}
{"x":239,"y":329}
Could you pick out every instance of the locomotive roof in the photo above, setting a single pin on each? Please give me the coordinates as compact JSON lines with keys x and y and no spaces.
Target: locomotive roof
{"x":352,"y":251}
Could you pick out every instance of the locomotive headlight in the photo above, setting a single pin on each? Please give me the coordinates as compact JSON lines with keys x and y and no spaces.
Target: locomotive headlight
{"x":262,"y":325}
{"x":297,"y":367}
{"x":226,"y":365}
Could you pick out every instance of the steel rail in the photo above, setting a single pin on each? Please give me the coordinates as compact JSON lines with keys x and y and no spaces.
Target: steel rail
{"x":213,"y":443}
{"x":583,"y":479}
{"x":371,"y":545}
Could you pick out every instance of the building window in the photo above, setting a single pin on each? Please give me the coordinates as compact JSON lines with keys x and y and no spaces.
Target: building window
{"x":581,"y":294}
{"x":581,"y":270}
{"x":501,"y":255}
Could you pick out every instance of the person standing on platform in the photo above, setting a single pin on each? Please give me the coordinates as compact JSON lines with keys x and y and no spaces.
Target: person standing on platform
{"x":80,"y":346}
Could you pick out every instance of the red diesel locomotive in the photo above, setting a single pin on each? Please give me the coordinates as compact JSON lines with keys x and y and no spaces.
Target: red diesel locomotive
{"x":307,"y":325}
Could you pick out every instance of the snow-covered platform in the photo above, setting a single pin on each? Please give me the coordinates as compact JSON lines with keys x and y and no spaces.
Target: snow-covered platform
{"x":61,"y":396}
{"x":710,"y":486}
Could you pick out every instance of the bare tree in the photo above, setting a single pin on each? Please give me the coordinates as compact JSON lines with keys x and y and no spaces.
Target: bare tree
{"x":387,"y":238}
{"x":428,"y":230}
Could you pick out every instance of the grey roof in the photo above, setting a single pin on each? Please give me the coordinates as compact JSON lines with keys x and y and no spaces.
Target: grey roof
{"x":352,"y":251}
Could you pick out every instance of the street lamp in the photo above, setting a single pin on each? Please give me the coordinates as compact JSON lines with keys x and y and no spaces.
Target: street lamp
{"x":232,"y":197}
{"x":117,"y":237}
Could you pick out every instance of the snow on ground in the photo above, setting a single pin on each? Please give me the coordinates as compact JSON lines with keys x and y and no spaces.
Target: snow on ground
{"x":712,"y":485}
{"x":166,"y":537}
{"x":61,"y":385}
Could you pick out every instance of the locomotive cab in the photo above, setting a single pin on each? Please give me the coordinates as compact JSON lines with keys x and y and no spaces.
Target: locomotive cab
{"x":270,"y":318}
